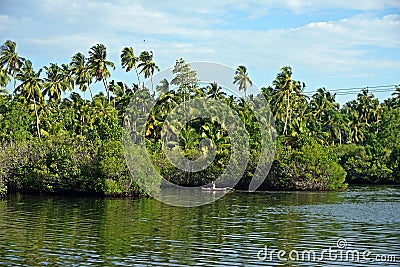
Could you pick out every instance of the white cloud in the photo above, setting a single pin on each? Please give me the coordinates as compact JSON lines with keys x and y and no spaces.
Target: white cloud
{"x":4,"y":22}
{"x":344,"y":48}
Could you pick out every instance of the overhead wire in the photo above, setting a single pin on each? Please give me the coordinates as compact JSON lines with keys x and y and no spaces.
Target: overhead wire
{"x":357,"y":90}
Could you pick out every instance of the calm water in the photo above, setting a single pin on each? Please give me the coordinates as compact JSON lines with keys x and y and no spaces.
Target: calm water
{"x":78,"y":231}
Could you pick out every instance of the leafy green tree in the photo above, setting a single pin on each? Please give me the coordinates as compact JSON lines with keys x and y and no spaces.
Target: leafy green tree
{"x":185,"y":78}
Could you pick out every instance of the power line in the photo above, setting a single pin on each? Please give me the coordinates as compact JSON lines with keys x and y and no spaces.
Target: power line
{"x":357,"y":90}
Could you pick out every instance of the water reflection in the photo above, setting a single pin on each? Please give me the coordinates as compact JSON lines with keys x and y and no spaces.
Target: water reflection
{"x":51,"y":230}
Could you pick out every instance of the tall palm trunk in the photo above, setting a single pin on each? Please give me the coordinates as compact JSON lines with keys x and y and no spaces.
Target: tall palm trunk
{"x":152,"y":86}
{"x":107,"y":89}
{"x":15,"y":80}
{"x":14,"y":67}
{"x":137,"y":74}
{"x":90,"y":90}
{"x":287,"y":113}
{"x":37,"y":117}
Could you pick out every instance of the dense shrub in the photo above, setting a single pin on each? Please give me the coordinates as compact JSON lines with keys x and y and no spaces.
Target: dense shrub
{"x":365,"y":164}
{"x":66,"y":164}
{"x":312,"y":167}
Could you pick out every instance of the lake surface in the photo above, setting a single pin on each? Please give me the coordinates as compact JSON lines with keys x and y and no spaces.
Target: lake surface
{"x":241,"y":229}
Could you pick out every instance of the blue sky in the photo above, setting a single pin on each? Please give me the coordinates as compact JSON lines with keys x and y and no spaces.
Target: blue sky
{"x":335,"y":44}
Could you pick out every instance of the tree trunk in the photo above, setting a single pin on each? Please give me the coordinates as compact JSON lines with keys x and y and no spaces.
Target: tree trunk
{"x":287,"y":113}
{"x":152,"y":86}
{"x":138,"y":78}
{"x":107,"y":89}
{"x":90,"y":90}
{"x":15,"y":81}
{"x":37,"y":117}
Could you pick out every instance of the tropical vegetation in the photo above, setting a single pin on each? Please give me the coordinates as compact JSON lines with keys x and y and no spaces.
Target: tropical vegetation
{"x":54,"y":139}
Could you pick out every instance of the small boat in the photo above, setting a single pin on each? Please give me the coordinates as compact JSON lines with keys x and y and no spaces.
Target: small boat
{"x":213,"y":188}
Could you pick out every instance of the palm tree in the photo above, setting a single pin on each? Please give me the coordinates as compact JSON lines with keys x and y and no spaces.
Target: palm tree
{"x":148,"y":67}
{"x":323,"y":100}
{"x":215,"y":91}
{"x":163,"y":87}
{"x":286,"y":87}
{"x":30,"y":87}
{"x":397,"y":91}
{"x":55,"y":83}
{"x":396,"y":95}
{"x":102,"y":106}
{"x":324,"y":111}
{"x":242,"y":79}
{"x":369,"y":109}
{"x":98,"y":65}
{"x":167,"y":102}
{"x":10,"y":59}
{"x":67,"y":74}
{"x":129,"y":61}
{"x":81,"y":73}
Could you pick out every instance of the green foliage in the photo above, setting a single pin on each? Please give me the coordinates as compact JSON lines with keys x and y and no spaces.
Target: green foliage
{"x":113,"y":169}
{"x":365,"y":164}
{"x":64,"y":164}
{"x":312,"y":167}
{"x":15,"y":122}
{"x":394,"y":163}
{"x":72,"y":144}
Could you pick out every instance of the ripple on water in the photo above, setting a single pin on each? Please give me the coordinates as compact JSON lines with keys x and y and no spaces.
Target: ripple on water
{"x":54,"y":231}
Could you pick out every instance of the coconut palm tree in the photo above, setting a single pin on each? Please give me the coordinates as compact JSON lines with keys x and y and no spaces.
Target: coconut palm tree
{"x":30,"y":87}
{"x":81,"y":73}
{"x":397,"y":91}
{"x":242,"y":79}
{"x":168,"y":102}
{"x":396,"y":95}
{"x":55,"y":83}
{"x":215,"y":91}
{"x":129,"y":61}
{"x":163,"y":87}
{"x":10,"y":59}
{"x":286,"y":87}
{"x":148,"y":66}
{"x":98,"y":65}
{"x":322,"y":101}
{"x":67,"y":73}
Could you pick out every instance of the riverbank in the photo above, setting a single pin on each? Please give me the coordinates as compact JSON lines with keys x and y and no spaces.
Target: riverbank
{"x":66,"y":165}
